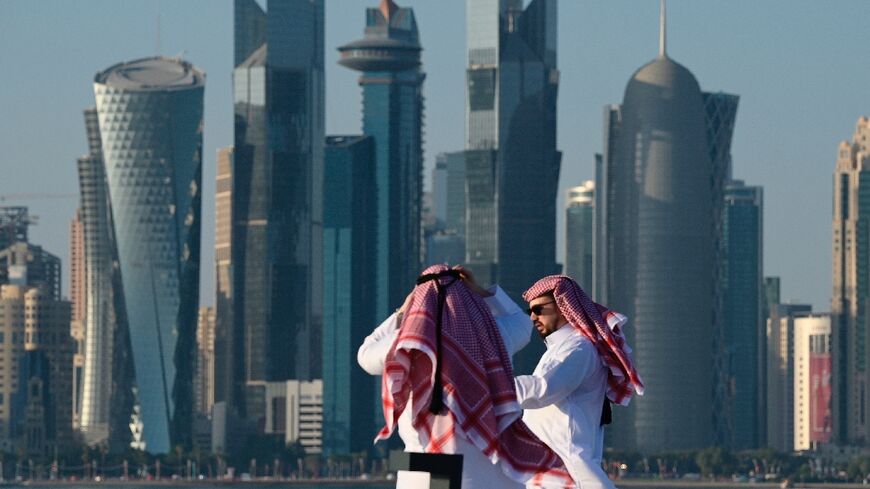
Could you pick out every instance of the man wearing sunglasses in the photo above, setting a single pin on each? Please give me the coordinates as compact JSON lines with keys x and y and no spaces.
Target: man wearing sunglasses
{"x":586,"y":366}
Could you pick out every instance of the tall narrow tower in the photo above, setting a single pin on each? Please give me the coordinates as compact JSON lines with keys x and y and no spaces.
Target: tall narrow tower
{"x":512,"y":83}
{"x":851,"y":257}
{"x":150,"y":124}
{"x":392,"y":81}
{"x":277,"y":181}
{"x":661,"y":255}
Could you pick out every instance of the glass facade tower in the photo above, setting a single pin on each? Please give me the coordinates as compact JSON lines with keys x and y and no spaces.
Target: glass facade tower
{"x":579,"y":215}
{"x":349,"y":240}
{"x":511,"y":89}
{"x":150,"y":120}
{"x":744,"y":332}
{"x":392,"y":81}
{"x":277,"y":178}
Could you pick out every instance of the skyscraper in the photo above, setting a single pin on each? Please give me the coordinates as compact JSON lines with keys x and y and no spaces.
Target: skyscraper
{"x":743,"y":327}
{"x":14,"y":221}
{"x":37,"y":355}
{"x":780,"y":374}
{"x":277,"y":178}
{"x":579,"y":214}
{"x":150,"y":123}
{"x":107,"y":370}
{"x":812,"y":382}
{"x":349,"y":242}
{"x":204,"y":380}
{"x":660,"y":255}
{"x":392,"y":81}
{"x":228,"y":350}
{"x":77,"y":316}
{"x":512,"y":84}
{"x":27,"y":264}
{"x":851,"y":269}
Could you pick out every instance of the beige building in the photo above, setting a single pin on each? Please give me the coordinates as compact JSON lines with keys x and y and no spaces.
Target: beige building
{"x":812,"y":381}
{"x":851,"y":279}
{"x":295,"y":408}
{"x":77,"y":319}
{"x":203,"y":383}
{"x":36,"y":349}
{"x":780,"y":375}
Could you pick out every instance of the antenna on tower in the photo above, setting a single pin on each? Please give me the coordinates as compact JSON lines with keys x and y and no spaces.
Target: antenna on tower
{"x":663,"y":29}
{"x":158,"y":28}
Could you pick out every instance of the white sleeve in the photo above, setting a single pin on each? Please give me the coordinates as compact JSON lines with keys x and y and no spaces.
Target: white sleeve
{"x":557,"y":380}
{"x":373,"y":351}
{"x":513,"y":323}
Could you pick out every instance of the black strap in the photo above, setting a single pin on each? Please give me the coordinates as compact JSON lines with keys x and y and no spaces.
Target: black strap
{"x":606,"y":413}
{"x":437,"y":390}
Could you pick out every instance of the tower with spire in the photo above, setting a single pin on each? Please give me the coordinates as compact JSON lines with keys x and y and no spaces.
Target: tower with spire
{"x":661,"y":269}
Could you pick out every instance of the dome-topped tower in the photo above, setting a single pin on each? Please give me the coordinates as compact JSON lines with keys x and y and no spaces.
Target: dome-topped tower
{"x":663,"y":253}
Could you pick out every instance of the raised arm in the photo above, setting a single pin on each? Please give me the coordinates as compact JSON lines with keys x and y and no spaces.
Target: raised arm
{"x":557,"y":380}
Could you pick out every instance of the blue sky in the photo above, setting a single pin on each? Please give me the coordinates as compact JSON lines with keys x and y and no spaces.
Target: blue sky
{"x":799,"y":66}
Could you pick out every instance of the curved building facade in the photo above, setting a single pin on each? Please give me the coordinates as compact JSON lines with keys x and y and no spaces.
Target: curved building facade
{"x":150,"y":119}
{"x":662,"y":250}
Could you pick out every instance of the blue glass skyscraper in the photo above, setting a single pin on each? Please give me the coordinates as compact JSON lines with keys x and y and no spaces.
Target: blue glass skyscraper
{"x":277,"y":179}
{"x":512,"y":84}
{"x":349,"y":239}
{"x":389,"y":59}
{"x":150,"y":120}
{"x":743,"y":328}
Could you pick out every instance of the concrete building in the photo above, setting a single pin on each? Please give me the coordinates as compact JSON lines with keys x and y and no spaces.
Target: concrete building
{"x":851,"y":270}
{"x":77,"y":318}
{"x":106,"y":360}
{"x":277,"y":178}
{"x":150,"y":124}
{"x":579,"y":238}
{"x":812,"y":382}
{"x":26,"y":264}
{"x":228,"y":350}
{"x":350,"y":404}
{"x":36,"y":353}
{"x":295,"y":409}
{"x":780,"y":374}
{"x":204,"y":381}
{"x":388,"y":58}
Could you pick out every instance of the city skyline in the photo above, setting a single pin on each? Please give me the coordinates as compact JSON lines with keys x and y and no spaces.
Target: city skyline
{"x":787,"y":130}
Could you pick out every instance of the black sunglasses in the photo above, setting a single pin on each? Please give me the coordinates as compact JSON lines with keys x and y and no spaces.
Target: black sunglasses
{"x":538,"y":308}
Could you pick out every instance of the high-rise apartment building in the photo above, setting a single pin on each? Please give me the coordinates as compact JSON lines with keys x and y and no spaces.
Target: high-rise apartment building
{"x":204,"y":380}
{"x":350,"y":407}
{"x":150,"y":124}
{"x":511,"y":88}
{"x":780,"y":346}
{"x":388,"y":58}
{"x":659,"y":236}
{"x":77,"y":317}
{"x":277,"y":178}
{"x":851,"y":270}
{"x":106,"y":395}
{"x":35,"y":357}
{"x":579,"y":216}
{"x":743,"y":330}
{"x":228,"y":349}
{"x":812,"y":382}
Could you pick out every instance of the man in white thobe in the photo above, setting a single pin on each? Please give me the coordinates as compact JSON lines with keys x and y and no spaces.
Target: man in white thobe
{"x":515,"y":329}
{"x":564,"y":397}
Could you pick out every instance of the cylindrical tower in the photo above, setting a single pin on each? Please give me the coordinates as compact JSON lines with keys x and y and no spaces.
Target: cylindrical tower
{"x":663,"y":254}
{"x":150,"y":118}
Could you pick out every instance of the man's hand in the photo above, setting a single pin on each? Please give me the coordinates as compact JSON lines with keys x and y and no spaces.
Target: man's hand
{"x":469,"y":280}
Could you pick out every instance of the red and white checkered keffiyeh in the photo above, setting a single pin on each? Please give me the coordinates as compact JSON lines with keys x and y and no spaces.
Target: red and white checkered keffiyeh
{"x":601,"y":326}
{"x":477,"y":379}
